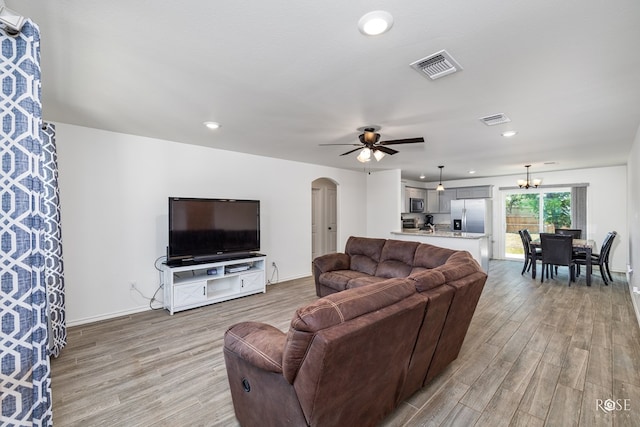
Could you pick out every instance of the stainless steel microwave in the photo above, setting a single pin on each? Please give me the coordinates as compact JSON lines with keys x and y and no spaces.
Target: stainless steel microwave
{"x":416,"y":205}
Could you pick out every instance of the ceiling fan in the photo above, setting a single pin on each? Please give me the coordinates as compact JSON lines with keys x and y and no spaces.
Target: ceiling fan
{"x":370,"y":144}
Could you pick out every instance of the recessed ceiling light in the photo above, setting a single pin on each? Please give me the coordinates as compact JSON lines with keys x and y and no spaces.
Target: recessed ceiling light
{"x":375,"y":23}
{"x":472,"y":172}
{"x":422,"y":176}
{"x":509,"y":133}
{"x":212,"y":125}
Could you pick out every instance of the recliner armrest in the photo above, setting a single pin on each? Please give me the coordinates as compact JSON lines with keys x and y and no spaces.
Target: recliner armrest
{"x":257,"y":343}
{"x":331,"y":262}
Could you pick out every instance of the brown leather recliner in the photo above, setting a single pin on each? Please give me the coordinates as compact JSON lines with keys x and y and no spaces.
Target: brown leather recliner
{"x":351,"y":357}
{"x":344,"y":361}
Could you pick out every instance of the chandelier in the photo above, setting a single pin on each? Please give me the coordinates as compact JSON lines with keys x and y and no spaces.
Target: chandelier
{"x":522,"y":183}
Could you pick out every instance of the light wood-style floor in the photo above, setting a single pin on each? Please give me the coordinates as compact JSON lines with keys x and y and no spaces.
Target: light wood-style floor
{"x":535,"y":354}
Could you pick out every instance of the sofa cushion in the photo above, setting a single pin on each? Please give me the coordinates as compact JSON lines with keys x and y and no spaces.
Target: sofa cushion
{"x":430,"y":256}
{"x":339,"y":279}
{"x":396,"y":259}
{"x":335,"y":309}
{"x":364,"y":253}
{"x":459,"y":265}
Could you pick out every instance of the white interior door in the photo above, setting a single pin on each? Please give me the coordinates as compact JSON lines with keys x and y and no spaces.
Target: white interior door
{"x":324,"y":222}
{"x":332,"y":220}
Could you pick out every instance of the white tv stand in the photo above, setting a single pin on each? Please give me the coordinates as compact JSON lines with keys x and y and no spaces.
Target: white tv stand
{"x":195,"y":285}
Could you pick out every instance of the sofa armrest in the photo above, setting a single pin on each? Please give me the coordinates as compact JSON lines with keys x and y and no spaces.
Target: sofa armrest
{"x":257,"y":343}
{"x":331,"y":262}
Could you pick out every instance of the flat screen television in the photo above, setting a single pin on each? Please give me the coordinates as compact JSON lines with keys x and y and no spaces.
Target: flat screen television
{"x":201,"y":230}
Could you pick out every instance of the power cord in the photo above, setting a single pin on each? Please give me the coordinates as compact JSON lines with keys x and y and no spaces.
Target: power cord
{"x":153,"y":297}
{"x":274,"y":272}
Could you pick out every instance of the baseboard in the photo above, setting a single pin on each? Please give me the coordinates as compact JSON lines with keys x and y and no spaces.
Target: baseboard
{"x":286,"y":279}
{"x":107,"y":316}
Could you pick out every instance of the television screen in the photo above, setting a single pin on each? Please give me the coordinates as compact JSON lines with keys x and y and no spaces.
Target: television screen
{"x":204,"y":229}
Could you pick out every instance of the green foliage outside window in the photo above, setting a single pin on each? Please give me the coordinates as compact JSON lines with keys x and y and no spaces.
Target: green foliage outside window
{"x":523,"y":202}
{"x":556,"y":210}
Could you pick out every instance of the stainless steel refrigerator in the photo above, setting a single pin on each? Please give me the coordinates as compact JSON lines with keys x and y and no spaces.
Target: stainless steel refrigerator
{"x":471,"y":215}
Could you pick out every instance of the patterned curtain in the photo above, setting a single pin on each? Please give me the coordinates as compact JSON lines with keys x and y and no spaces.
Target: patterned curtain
{"x":25,"y":375}
{"x":54,"y":272}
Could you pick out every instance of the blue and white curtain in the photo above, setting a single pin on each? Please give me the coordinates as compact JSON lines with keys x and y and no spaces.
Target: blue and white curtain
{"x":54,"y":267}
{"x":26,"y":208}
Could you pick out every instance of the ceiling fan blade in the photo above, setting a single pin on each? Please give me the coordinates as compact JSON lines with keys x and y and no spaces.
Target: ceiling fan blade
{"x":355,"y":145}
{"x":385,"y":150}
{"x":352,"y":151}
{"x":402,"y":141}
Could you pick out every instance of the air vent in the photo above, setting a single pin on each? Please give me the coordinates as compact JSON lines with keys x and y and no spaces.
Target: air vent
{"x":438,"y":65}
{"x":495,"y":119}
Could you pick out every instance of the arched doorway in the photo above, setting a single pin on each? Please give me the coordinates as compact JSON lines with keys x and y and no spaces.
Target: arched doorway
{"x":324,"y":224}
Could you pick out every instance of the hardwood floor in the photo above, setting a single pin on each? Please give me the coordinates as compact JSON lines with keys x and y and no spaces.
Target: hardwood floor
{"x":535,"y":354}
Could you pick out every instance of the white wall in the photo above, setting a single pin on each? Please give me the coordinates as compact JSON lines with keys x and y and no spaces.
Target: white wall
{"x":114,"y":190}
{"x":606,"y":203}
{"x":633,"y":215}
{"x":383,"y":203}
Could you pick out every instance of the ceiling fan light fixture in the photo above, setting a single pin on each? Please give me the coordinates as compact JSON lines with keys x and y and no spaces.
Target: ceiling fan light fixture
{"x":375,"y":23}
{"x":364,"y":156}
{"x":378,"y":155}
{"x":440,"y":187}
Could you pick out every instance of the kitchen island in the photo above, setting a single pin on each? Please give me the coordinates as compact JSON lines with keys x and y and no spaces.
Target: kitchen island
{"x":476,"y":243}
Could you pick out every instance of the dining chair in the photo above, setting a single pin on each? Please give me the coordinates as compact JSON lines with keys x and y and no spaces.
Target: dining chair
{"x":601,"y":259}
{"x":557,"y":250}
{"x":575,"y":232}
{"x":528,"y":254}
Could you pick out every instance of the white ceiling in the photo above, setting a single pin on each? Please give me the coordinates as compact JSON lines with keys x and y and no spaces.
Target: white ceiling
{"x":284,"y":76}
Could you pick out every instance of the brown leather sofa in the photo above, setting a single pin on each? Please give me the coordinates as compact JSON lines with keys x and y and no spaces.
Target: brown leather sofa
{"x":351,"y":357}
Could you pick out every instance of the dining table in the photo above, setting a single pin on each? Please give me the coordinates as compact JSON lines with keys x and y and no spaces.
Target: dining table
{"x":584,"y":246}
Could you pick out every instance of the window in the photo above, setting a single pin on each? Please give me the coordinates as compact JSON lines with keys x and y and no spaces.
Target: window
{"x":539,"y":211}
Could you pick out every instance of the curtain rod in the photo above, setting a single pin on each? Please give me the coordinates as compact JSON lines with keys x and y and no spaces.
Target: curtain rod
{"x":515,"y":187}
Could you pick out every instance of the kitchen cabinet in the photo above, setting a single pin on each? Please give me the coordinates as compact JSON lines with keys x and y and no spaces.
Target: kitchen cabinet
{"x":478,"y":192}
{"x":440,"y":201}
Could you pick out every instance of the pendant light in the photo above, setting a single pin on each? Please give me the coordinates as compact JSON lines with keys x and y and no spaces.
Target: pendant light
{"x":527,"y":183}
{"x":440,"y":187}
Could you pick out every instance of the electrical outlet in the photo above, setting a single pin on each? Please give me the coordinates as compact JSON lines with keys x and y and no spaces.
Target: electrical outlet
{"x":132,"y":286}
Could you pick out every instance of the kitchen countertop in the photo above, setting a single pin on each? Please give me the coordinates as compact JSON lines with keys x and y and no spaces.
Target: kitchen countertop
{"x":427,"y":233}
